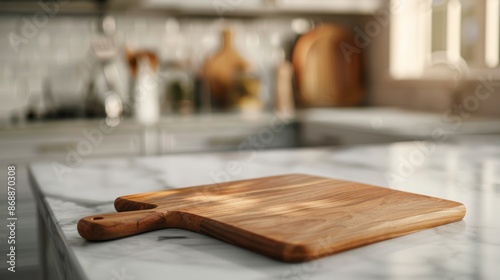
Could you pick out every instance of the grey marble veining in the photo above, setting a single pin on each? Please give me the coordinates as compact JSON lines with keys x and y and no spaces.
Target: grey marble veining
{"x":469,"y":249}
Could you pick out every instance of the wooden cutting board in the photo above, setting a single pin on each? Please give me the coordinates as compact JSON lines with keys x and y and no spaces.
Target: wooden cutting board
{"x":326,"y":74}
{"x":219,"y":71}
{"x":291,"y":217}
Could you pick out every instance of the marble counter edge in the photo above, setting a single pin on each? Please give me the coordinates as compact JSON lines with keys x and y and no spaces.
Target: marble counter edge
{"x":45,"y":213}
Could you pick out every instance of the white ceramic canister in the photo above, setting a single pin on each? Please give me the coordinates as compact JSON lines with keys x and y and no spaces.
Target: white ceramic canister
{"x":146,"y":95}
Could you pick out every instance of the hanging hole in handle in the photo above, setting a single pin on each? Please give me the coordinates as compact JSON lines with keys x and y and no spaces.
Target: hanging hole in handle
{"x":97,"y":218}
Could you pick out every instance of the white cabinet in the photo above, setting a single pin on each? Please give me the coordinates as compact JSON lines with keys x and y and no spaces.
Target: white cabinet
{"x":176,"y":134}
{"x":26,"y":225}
{"x":226,"y":133}
{"x":52,"y":142}
{"x":211,"y":141}
{"x":88,"y":140}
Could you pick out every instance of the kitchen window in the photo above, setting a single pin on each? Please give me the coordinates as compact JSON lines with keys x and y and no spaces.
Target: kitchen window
{"x":435,"y":39}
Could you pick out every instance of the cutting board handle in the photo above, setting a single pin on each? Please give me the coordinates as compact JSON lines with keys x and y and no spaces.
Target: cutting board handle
{"x":121,"y":224}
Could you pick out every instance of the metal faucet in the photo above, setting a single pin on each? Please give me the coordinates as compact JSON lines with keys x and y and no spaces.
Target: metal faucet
{"x":105,"y":51}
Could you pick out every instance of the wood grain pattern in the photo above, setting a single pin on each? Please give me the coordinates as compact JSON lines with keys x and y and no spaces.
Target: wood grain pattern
{"x":327,"y":73}
{"x":219,"y":71}
{"x":290,"y":217}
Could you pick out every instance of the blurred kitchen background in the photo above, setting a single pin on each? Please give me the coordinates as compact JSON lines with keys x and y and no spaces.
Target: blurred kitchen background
{"x":86,"y":79}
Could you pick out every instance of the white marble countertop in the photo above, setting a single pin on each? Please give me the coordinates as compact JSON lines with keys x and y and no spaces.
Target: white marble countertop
{"x":469,"y":249}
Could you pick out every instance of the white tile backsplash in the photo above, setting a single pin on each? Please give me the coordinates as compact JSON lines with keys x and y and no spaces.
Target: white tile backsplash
{"x":64,"y":43}
{"x":65,"y":40}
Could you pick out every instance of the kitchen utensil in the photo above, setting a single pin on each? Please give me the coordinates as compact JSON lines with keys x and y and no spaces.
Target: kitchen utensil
{"x":325,"y":75}
{"x":284,"y":102}
{"x":246,"y":93}
{"x":220,"y":69}
{"x":177,"y":89}
{"x":144,"y":100}
{"x":105,"y":91}
{"x":290,"y":217}
{"x":146,"y":93}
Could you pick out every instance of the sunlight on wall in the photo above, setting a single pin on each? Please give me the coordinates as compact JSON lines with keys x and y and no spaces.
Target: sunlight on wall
{"x":492,"y":34}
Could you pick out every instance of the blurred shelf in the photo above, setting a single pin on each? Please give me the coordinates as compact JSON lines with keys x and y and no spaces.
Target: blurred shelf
{"x":215,"y":8}
{"x":224,"y":8}
{"x":52,"y":8}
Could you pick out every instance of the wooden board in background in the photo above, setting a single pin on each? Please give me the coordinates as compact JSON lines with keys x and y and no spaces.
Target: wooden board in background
{"x":327,"y":68}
